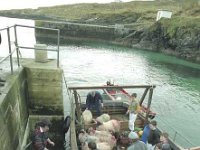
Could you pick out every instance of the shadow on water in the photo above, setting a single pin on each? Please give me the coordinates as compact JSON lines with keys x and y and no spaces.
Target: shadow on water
{"x":182,"y":70}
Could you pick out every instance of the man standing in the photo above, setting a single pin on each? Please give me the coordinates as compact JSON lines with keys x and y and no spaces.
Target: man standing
{"x":132,"y":111}
{"x":94,"y":100}
{"x":154,"y":136}
{"x":40,"y":135}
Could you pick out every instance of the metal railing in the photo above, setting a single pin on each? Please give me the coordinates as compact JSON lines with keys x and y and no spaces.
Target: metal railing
{"x":9,"y":46}
{"x":175,"y":136}
{"x":17,"y":47}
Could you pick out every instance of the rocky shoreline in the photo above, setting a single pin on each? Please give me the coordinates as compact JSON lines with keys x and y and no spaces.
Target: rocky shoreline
{"x":184,"y":44}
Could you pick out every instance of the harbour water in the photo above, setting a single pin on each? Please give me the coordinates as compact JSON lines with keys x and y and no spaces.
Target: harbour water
{"x":176,"y":99}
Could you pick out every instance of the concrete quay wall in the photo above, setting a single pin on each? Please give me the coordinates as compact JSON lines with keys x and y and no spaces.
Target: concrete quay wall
{"x":83,"y":31}
{"x":45,"y":91}
{"x":13,"y":111}
{"x":33,"y":92}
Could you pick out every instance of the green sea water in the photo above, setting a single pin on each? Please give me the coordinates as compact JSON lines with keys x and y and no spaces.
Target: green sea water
{"x":176,"y":99}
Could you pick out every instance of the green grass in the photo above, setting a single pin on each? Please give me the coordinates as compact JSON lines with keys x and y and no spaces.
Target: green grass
{"x":140,"y":14}
{"x":108,"y":11}
{"x":188,"y":24}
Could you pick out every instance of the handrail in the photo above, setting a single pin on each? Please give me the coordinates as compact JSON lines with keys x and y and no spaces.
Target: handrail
{"x":35,"y":48}
{"x":176,"y":134}
{"x":78,"y":108}
{"x":17,"y":47}
{"x":9,"y":46}
{"x":149,"y":87}
{"x":44,"y":28}
{"x":6,"y":28}
{"x":107,"y":87}
{"x":4,"y":58}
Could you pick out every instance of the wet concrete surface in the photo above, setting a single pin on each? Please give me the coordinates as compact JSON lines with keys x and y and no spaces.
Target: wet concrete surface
{"x":6,"y":77}
{"x":6,"y":74}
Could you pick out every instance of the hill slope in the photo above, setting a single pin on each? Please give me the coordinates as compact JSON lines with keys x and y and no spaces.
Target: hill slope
{"x":178,"y":36}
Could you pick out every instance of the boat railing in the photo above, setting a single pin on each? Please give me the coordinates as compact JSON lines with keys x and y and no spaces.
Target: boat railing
{"x":175,"y":136}
{"x":76,"y":102}
{"x":147,"y":89}
{"x":17,"y":46}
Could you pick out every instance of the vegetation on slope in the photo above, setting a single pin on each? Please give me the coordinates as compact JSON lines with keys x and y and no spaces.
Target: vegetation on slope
{"x":130,"y":14}
{"x":181,"y":34}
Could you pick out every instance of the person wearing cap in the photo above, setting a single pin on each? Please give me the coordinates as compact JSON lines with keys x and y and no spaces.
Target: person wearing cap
{"x":92,"y":146}
{"x":110,"y":82}
{"x":164,"y":142}
{"x":110,"y":91}
{"x":132,"y":111}
{"x":94,"y":100}
{"x":136,"y":143}
{"x":40,"y":138}
{"x":154,"y":135}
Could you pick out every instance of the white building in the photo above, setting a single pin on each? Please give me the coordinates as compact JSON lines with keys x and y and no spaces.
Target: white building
{"x":163,"y":14}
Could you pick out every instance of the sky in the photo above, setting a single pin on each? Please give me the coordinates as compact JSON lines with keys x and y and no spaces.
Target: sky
{"x":20,"y":4}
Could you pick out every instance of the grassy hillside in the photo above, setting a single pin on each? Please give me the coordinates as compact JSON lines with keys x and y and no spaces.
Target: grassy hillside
{"x":140,"y":14}
{"x":179,"y":35}
{"x":109,"y":14}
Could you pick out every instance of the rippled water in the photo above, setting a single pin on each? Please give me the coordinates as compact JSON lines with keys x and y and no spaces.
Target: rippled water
{"x":176,"y":98}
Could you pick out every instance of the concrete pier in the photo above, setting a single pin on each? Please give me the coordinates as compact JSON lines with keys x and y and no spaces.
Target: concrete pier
{"x":44,"y":87}
{"x":32,"y":92}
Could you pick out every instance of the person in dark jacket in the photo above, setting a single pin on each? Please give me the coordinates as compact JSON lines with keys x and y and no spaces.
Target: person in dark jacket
{"x":154,"y":135}
{"x":40,"y":136}
{"x":94,"y":100}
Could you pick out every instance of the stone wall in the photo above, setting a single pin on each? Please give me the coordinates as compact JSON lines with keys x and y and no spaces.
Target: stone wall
{"x":35,"y":89}
{"x":13,"y":112}
{"x":45,"y":89}
{"x":84,"y":31}
{"x":45,"y":98}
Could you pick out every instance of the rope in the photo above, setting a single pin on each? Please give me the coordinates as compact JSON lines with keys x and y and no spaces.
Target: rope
{"x":27,"y":146}
{"x":68,"y":92}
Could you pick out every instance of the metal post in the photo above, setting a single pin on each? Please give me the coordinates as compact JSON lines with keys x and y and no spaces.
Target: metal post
{"x":143,"y":96}
{"x":174,"y":138}
{"x":78,"y":108}
{"x":58,"y":52}
{"x":16,"y":44}
{"x":149,"y":103}
{"x":10,"y":51}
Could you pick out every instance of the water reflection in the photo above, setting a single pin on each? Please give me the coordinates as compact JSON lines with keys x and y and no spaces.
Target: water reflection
{"x":183,"y":71}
